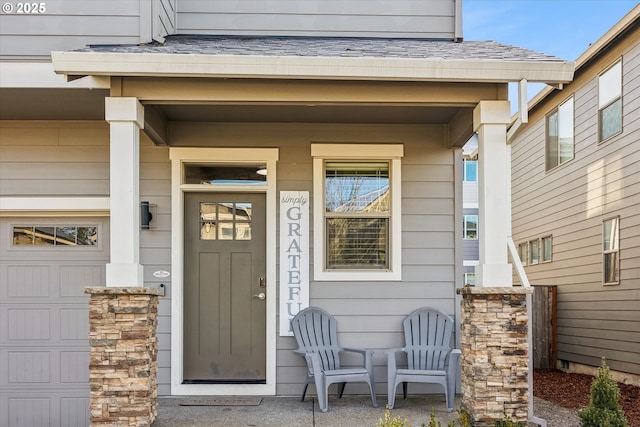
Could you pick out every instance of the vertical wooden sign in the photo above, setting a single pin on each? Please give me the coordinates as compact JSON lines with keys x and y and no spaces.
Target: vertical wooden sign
{"x":294,"y":256}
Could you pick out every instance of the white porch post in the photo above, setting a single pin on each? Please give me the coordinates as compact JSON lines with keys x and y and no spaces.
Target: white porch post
{"x":126,"y":118}
{"x":490,"y":119}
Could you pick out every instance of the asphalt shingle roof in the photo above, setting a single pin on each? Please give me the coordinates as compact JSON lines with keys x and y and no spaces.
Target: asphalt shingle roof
{"x":332,"y":47}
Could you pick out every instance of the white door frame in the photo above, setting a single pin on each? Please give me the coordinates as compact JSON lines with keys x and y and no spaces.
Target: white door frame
{"x":179,"y":157}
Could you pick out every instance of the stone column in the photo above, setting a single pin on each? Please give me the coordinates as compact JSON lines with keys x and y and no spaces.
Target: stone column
{"x":495,"y":358}
{"x":123,"y":362}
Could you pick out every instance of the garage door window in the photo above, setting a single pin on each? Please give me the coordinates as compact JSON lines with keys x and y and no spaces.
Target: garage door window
{"x":67,"y":235}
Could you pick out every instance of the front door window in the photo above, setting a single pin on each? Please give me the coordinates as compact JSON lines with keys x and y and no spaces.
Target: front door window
{"x":225,"y":221}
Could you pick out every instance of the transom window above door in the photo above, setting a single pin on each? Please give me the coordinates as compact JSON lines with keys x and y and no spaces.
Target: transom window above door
{"x":357,"y":219}
{"x":216,"y":174}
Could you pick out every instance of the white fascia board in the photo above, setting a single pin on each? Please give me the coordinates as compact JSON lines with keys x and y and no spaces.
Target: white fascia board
{"x":247,"y":66}
{"x":40,"y":75}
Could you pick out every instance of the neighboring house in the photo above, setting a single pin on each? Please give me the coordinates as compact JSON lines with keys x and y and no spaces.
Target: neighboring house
{"x":211,"y":111}
{"x":576,"y":202}
{"x":470,"y":210}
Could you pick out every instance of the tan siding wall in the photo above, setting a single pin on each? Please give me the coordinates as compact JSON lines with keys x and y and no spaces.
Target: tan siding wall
{"x":355,"y":18}
{"x":369,"y":314}
{"x":45,"y":159}
{"x":155,"y":245}
{"x":67,"y":25}
{"x":571,"y":201}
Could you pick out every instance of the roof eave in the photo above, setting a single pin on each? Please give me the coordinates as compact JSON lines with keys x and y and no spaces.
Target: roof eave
{"x":294,"y":67}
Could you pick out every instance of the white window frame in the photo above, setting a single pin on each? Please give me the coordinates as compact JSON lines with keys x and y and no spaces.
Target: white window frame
{"x":465,"y":176}
{"x":533,"y":261}
{"x":548,"y":239}
{"x":605,"y":102}
{"x":466,"y":278}
{"x":523,"y":252}
{"x":615,"y":250}
{"x":563,"y":122}
{"x":464,"y":227}
{"x":365,"y":152}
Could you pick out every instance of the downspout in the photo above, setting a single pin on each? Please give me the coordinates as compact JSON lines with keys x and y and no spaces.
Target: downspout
{"x":523,"y":110}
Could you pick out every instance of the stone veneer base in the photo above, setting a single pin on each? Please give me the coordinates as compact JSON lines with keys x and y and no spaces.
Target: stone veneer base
{"x":123,"y":362}
{"x":495,"y":358}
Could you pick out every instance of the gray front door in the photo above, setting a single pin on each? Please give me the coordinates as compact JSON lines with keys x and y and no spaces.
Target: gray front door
{"x":224,"y":305}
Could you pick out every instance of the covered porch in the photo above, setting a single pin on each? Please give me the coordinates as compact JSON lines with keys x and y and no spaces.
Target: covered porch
{"x":283,"y":104}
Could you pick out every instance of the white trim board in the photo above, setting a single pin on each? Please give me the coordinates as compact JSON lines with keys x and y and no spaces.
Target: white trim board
{"x":54,"y":206}
{"x":391,"y":152}
{"x":180,"y":156}
{"x":41,"y":75}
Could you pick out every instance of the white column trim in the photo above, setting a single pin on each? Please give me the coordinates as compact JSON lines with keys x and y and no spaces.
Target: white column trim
{"x":490,"y":119}
{"x":126,"y":119}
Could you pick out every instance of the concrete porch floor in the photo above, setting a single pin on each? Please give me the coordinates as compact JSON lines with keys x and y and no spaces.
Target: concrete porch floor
{"x":350,"y":411}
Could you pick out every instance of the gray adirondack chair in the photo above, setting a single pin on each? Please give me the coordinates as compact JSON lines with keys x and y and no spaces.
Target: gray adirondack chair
{"x":315,"y":331}
{"x":430,"y":359}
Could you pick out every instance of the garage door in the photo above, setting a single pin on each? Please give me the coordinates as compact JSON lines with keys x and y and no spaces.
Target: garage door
{"x":45,"y":263}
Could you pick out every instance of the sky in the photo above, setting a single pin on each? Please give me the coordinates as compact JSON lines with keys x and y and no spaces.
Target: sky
{"x":562,"y":28}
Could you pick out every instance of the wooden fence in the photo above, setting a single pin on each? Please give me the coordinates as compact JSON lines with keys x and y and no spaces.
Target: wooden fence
{"x":545,"y":347}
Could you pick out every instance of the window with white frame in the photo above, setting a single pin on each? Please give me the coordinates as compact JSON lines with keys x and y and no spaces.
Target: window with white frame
{"x":469,"y":279}
{"x":357,"y":211}
{"x":523,"y":252}
{"x":610,"y":102}
{"x":547,"y":249}
{"x":470,"y":170}
{"x":470,"y":227}
{"x":534,"y":251}
{"x":55,"y":235}
{"x":559,"y":135}
{"x":611,"y":251}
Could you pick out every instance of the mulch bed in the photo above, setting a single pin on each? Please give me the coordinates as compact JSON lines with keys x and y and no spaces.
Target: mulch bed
{"x":572,"y":391}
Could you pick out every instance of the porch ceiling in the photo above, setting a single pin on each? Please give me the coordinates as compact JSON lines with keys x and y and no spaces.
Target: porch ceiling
{"x":84,"y":104}
{"x":367,"y":114}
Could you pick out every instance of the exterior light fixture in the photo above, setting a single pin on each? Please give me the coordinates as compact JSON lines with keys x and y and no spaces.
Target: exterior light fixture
{"x":145,"y":215}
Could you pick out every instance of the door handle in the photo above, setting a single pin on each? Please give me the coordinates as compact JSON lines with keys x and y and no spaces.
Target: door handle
{"x":261,"y":295}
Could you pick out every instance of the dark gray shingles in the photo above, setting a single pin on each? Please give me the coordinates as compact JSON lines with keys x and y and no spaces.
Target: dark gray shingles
{"x":332,"y":47}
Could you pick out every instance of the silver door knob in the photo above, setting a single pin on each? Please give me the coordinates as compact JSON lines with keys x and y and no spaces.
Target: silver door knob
{"x":261,"y":295}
